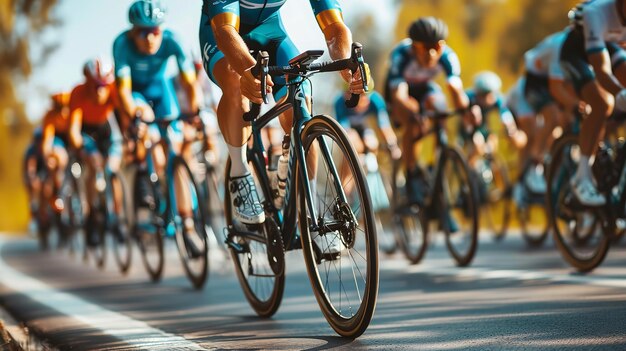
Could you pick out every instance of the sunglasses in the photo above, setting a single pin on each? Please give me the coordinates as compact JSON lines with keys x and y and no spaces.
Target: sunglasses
{"x":144,"y":32}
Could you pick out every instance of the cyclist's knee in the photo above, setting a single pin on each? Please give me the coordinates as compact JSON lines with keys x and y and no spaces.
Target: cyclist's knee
{"x":601,"y":102}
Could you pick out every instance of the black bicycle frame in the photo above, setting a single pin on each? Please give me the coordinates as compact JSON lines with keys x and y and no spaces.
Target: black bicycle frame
{"x":288,"y":221}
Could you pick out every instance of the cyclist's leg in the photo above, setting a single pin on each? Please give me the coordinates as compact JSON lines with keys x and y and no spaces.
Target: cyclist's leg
{"x":113,"y":162}
{"x":166,"y":106}
{"x":94,"y":165}
{"x":404,"y":109}
{"x":57,"y":168}
{"x":234,"y":129}
{"x":574,"y":62}
{"x":30,"y":177}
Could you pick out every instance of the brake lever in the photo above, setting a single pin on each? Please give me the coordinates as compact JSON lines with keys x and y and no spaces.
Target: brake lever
{"x":357,"y":59}
{"x":259,"y":71}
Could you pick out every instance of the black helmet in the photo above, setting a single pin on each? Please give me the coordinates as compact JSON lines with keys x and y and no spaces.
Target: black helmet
{"x":428,"y":29}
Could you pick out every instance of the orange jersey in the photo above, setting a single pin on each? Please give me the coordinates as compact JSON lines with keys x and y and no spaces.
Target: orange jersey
{"x":57,"y":121}
{"x":93,"y":114}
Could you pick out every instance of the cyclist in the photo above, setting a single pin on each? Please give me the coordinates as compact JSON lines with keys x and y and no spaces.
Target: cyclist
{"x":546,"y":92}
{"x":485,"y":96}
{"x":141,"y":55}
{"x":592,"y":59}
{"x":354,"y":120}
{"x":410,"y":87}
{"x":56,"y":136}
{"x":92,"y":107}
{"x":228,"y":29}
{"x":32,"y":167}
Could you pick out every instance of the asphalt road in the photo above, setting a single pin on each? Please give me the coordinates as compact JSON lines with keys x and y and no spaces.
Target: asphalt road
{"x":510,"y":298}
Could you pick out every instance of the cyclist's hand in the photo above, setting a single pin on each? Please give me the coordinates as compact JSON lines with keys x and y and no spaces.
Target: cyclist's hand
{"x":77,"y":140}
{"x":356,"y":81}
{"x":144,"y":113}
{"x":583,"y":108}
{"x":52,"y":162}
{"x":519,"y":139}
{"x":620,"y":101}
{"x":251,"y":86}
{"x":473,"y":116}
{"x":395,"y":152}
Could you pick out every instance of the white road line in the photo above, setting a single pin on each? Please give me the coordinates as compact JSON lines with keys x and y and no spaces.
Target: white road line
{"x":135,"y":333}
{"x":513,"y":274}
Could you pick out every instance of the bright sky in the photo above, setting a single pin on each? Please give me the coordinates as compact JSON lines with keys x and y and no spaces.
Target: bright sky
{"x":90,"y":27}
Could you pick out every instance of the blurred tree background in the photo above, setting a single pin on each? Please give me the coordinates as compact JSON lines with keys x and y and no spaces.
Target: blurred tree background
{"x":22,"y":47}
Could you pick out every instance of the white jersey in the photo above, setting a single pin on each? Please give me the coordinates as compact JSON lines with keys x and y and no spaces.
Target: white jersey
{"x":516,"y":100}
{"x":544,"y":59}
{"x":601,"y":23}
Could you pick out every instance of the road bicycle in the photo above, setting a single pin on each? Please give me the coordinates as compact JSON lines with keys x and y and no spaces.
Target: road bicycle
{"x":583,"y":234}
{"x":331,"y":204}
{"x":448,"y":197}
{"x":156,"y":214}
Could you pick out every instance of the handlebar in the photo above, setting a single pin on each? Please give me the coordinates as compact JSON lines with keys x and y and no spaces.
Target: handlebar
{"x":261,"y":70}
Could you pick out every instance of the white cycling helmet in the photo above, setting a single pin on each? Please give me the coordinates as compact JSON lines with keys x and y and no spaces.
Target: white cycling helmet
{"x":487,"y":82}
{"x":99,"y":70}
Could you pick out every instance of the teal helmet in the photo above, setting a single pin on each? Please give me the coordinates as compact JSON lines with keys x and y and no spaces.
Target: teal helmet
{"x":147,"y":13}
{"x":487,"y":82}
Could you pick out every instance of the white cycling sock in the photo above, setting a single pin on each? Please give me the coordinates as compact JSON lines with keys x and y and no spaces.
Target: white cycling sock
{"x":584,"y":169}
{"x":238,"y":160}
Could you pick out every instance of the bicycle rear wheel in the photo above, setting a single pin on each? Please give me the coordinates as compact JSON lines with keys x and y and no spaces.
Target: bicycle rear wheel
{"x":341,"y":253}
{"x":458,"y":203}
{"x":193,"y":247}
{"x":149,"y":209}
{"x":121,"y":228}
{"x":262,"y":287}
{"x":578,"y":232}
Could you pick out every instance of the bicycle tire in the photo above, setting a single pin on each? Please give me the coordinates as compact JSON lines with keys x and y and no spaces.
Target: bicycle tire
{"x":149,"y":240}
{"x":410,"y":222}
{"x":316,"y":129}
{"x":99,"y":251}
{"x":264,"y":307}
{"x":558,"y":183}
{"x":71,"y":218}
{"x":468,"y":202}
{"x":121,"y":228}
{"x":498,"y":198}
{"x":197,"y":279}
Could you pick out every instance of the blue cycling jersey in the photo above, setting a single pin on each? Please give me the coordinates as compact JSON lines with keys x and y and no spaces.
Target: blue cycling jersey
{"x":405,"y":67}
{"x":254,"y":12}
{"x":146,"y":69}
{"x":351,"y":118}
{"x":147,"y":73}
{"x":500,"y":105}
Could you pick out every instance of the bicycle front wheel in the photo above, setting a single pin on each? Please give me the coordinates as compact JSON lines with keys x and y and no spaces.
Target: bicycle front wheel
{"x":339,"y":240}
{"x":192,"y":244}
{"x":117,"y":191}
{"x":410,"y":220}
{"x":458,"y":208}
{"x":148,"y":230}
